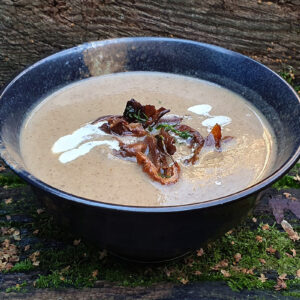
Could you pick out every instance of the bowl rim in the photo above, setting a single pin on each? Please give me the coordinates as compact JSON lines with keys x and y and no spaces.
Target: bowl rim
{"x":247,"y":192}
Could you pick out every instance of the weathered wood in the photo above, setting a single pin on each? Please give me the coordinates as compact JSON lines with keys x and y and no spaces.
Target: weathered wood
{"x":32,"y":29}
{"x":108,"y":291}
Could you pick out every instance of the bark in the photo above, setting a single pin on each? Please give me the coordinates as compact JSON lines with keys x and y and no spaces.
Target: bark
{"x":32,"y":29}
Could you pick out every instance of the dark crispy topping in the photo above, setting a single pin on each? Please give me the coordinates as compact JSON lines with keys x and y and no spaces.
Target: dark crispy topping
{"x":153,"y":172}
{"x":131,"y":150}
{"x":166,"y":142}
{"x":134,"y":112}
{"x":158,"y":163}
{"x":119,"y":126}
{"x":145,"y":114}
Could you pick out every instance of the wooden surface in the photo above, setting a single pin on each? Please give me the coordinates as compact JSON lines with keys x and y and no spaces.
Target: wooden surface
{"x":269,"y":31}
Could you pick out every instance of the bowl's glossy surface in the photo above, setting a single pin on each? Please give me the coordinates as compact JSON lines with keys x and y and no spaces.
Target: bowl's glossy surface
{"x":151,"y":233}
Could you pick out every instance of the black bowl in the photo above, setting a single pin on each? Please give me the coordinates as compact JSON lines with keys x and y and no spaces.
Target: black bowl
{"x":151,"y":233}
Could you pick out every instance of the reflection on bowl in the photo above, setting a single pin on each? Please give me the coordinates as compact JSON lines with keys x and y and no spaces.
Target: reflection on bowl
{"x":151,"y":233}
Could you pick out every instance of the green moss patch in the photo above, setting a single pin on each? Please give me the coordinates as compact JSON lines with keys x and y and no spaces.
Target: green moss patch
{"x":11,"y":181}
{"x":290,"y":180}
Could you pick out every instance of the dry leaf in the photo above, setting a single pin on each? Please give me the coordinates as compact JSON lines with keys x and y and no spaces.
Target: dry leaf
{"x":36,"y":232}
{"x":288,"y":255}
{"x":229,"y":232}
{"x":76,"y":242}
{"x":2,"y":168}
{"x":200,"y":252}
{"x":298,"y":273}
{"x":95,"y":273}
{"x":271,"y":250}
{"x":197,"y":273}
{"x":102,"y":254}
{"x":167,"y":272}
{"x":225,"y":273}
{"x":254,"y":220}
{"x":8,"y":255}
{"x":8,"y":201}
{"x":8,"y":218}
{"x":283,"y":276}
{"x":238,"y":257}
{"x":287,"y":195}
{"x":36,"y":263}
{"x":236,"y":268}
{"x":293,"y":235}
{"x":279,"y":205}
{"x":27,"y":247}
{"x":62,"y":278}
{"x":64,"y":270}
{"x":232,"y":243}
{"x":262,"y":260}
{"x":40,"y":211}
{"x":280,"y":285}
{"x":33,"y":256}
{"x":259,"y":238}
{"x":265,"y":227}
{"x":16,"y":235}
{"x":183,"y":280}
{"x":294,"y":252}
{"x":296,"y":178}
{"x":222,"y":264}
{"x":262,"y":278}
{"x":250,"y":271}
{"x":8,"y":266}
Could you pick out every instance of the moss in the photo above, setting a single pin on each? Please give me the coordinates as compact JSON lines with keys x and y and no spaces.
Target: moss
{"x":11,"y":181}
{"x":292,"y":294}
{"x":17,"y":288}
{"x":288,"y":181}
{"x":287,"y":73}
{"x":22,"y":266}
{"x":80,"y":266}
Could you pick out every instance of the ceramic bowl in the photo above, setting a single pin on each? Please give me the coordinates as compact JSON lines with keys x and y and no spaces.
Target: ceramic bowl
{"x":151,"y":233}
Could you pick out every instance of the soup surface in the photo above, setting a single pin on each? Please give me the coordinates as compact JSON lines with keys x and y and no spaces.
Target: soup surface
{"x":61,"y":147}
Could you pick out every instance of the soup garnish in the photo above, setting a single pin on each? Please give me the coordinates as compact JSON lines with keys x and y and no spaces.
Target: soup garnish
{"x":141,"y":121}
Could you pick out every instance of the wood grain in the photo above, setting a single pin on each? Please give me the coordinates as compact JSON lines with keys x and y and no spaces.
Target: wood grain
{"x":269,"y":31}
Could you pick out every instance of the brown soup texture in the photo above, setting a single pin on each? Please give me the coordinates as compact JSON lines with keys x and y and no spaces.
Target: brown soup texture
{"x":62,"y":147}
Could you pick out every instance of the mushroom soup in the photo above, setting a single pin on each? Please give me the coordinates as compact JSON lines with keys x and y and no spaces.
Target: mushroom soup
{"x":65,"y":144}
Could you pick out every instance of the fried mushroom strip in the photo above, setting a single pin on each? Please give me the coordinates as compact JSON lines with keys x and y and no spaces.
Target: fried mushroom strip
{"x":197,"y":142}
{"x":131,"y":150}
{"x":147,"y":115}
{"x":119,"y":126}
{"x":165,"y":142}
{"x":153,"y":172}
{"x":215,"y":137}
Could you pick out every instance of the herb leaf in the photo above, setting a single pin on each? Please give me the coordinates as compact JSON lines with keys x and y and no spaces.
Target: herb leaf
{"x":182,"y":134}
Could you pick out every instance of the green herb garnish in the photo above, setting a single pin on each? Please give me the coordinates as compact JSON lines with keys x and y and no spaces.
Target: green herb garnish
{"x":135,"y":114}
{"x":182,"y":134}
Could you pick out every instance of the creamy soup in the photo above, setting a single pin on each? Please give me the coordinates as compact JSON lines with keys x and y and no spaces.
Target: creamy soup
{"x":61,"y":147}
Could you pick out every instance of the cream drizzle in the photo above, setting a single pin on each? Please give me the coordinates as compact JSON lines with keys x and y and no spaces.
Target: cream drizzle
{"x":86,"y":148}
